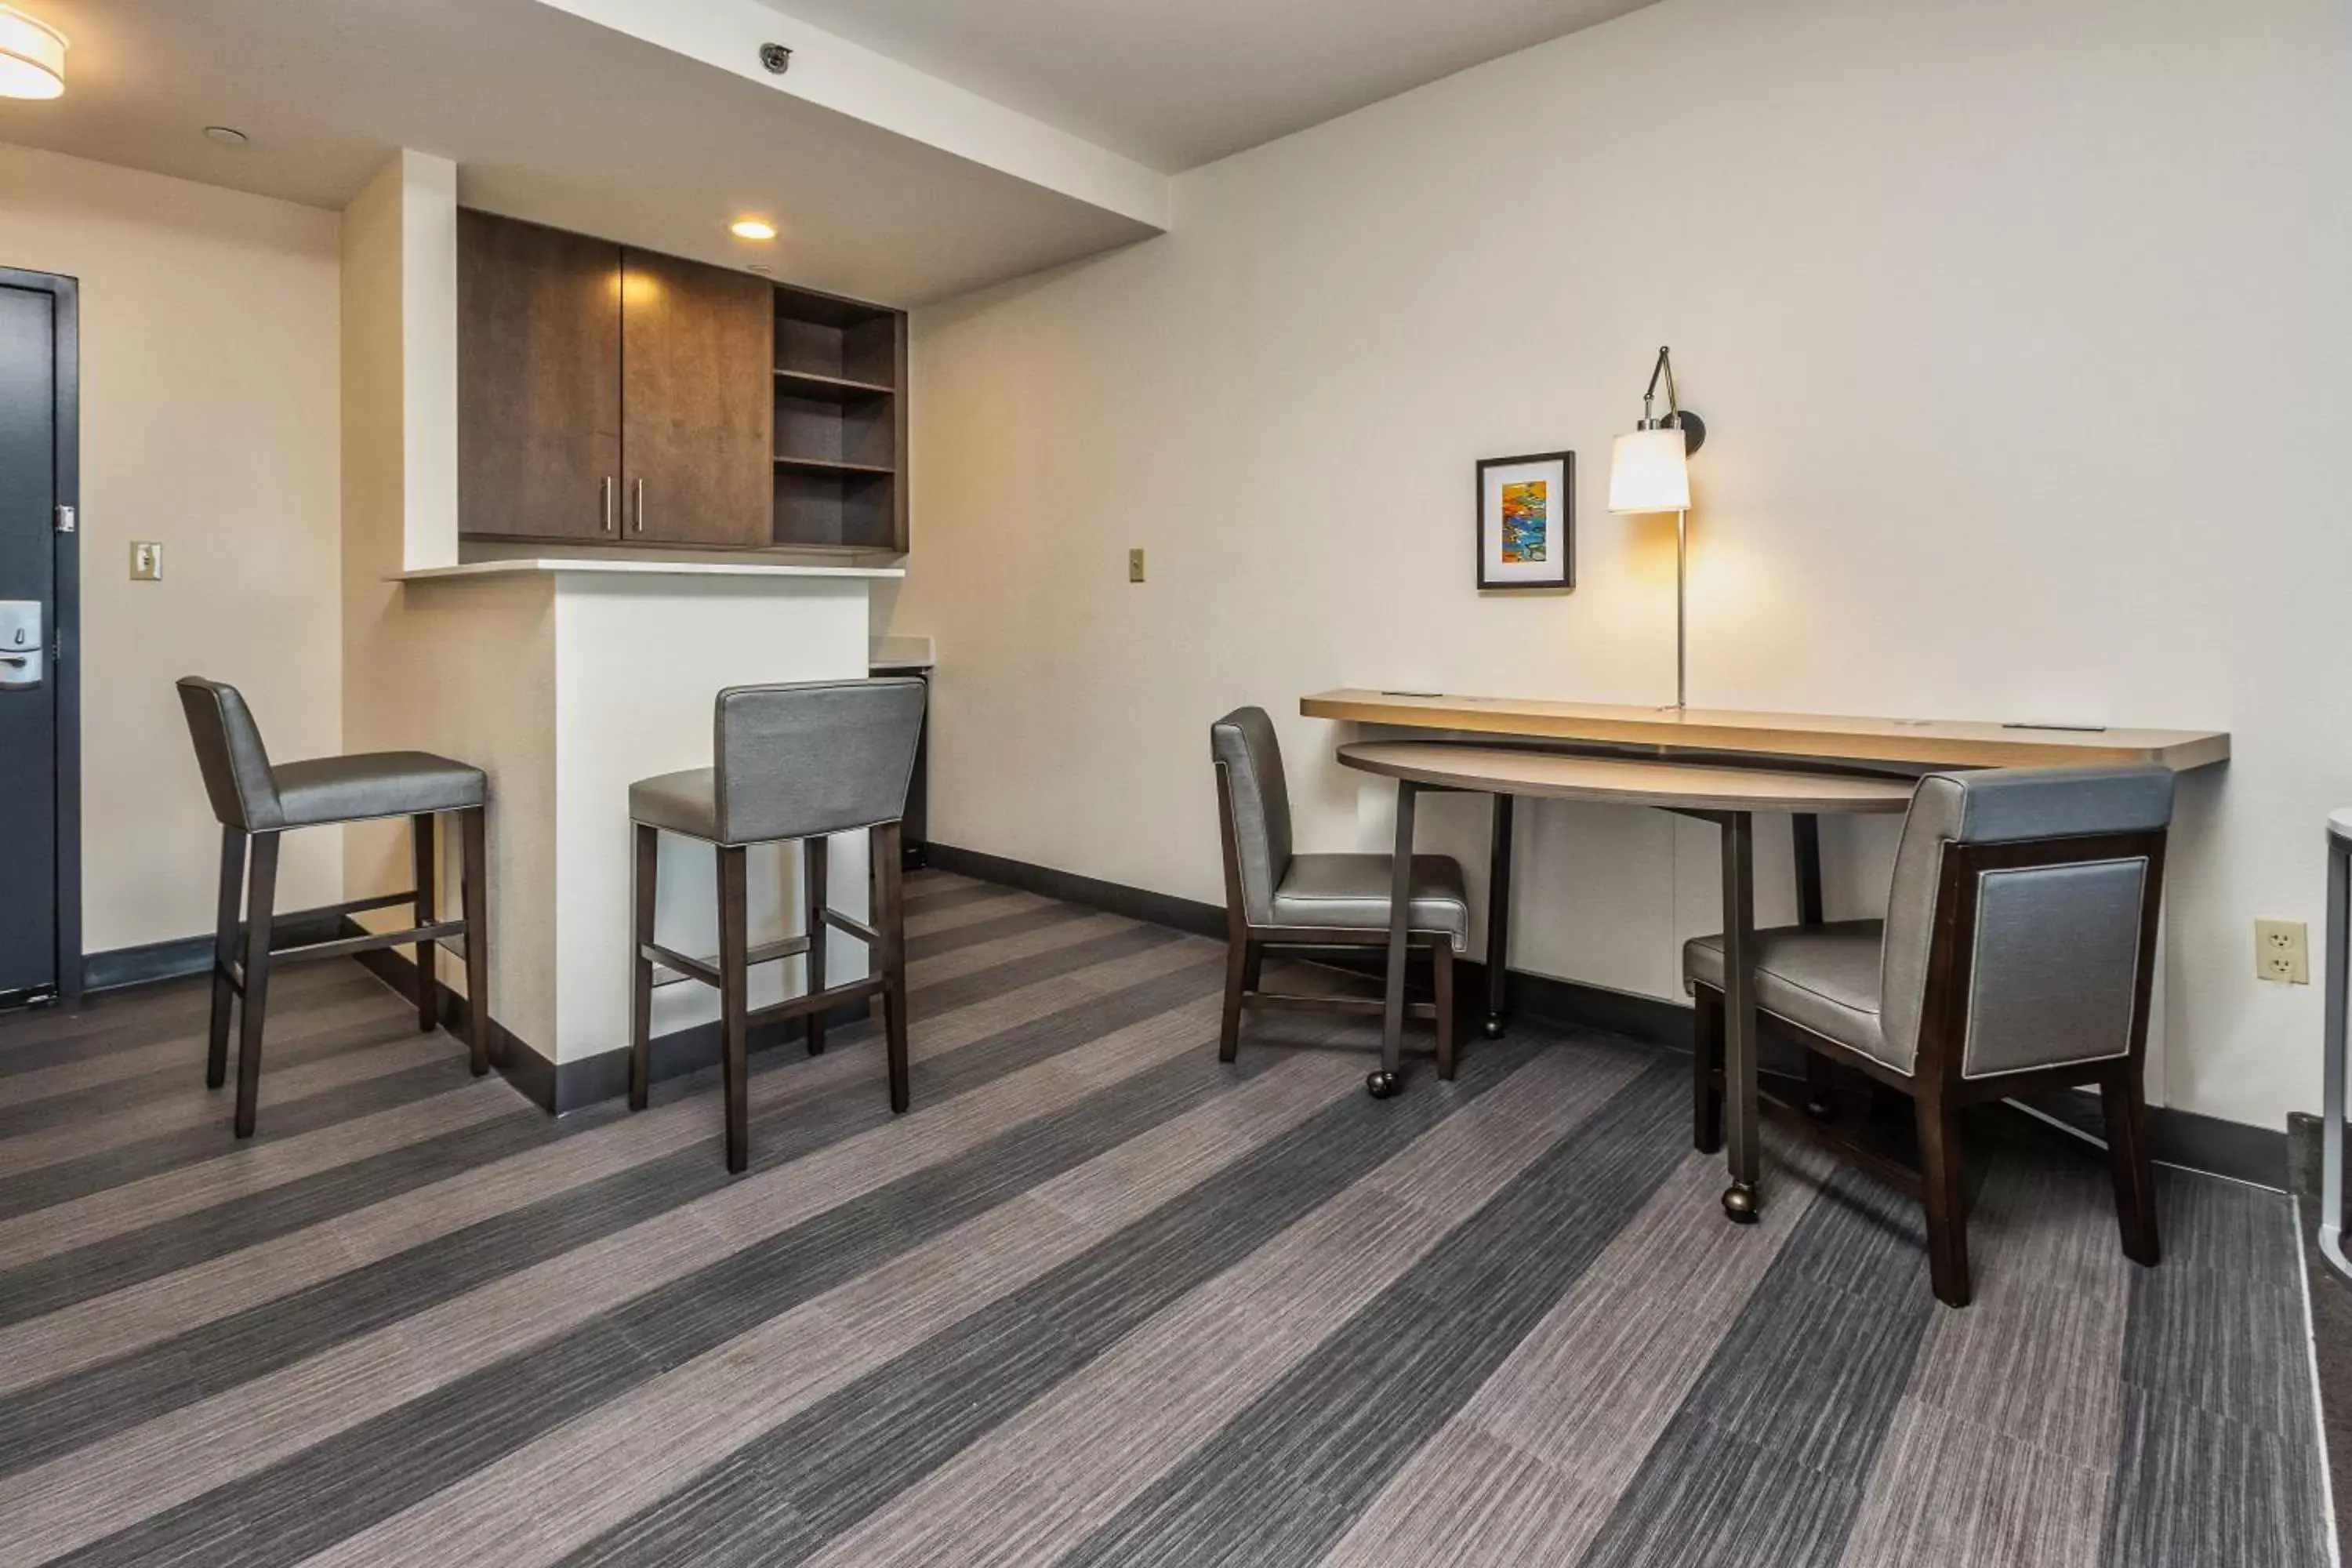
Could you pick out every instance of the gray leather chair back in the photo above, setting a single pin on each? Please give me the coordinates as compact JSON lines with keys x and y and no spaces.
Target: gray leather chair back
{"x":815,"y":757}
{"x":1249,"y":769}
{"x":2054,"y":971}
{"x":235,"y":764}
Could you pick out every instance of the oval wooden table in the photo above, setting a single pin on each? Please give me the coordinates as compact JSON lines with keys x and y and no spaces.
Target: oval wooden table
{"x":1726,"y":796}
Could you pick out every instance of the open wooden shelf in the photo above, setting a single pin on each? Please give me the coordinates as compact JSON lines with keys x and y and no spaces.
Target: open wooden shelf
{"x":840,"y":423}
{"x":834,"y":388}
{"x":831,"y":466}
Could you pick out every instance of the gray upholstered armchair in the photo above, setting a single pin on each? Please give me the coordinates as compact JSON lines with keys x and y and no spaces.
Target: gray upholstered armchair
{"x":2014,"y":957}
{"x":1276,"y":898}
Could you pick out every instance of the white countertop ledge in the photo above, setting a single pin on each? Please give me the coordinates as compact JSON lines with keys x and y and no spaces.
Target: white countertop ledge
{"x":637,"y":568}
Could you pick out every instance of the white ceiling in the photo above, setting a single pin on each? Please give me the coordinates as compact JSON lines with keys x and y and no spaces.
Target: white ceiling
{"x":1176,"y":83}
{"x":549,"y":117}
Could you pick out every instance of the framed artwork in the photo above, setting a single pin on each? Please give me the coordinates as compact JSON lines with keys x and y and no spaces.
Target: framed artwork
{"x":1526,"y":521}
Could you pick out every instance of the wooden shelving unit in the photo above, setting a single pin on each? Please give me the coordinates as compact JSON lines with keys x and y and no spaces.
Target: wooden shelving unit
{"x":841,"y":423}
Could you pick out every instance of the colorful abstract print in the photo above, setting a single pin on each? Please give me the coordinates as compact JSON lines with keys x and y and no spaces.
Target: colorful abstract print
{"x":1527,"y":523}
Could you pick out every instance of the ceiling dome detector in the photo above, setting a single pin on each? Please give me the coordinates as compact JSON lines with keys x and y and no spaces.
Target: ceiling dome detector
{"x":32,"y":56}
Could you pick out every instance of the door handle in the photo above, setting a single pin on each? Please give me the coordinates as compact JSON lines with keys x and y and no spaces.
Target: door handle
{"x":14,"y":660}
{"x":604,"y":498}
{"x":641,"y":504}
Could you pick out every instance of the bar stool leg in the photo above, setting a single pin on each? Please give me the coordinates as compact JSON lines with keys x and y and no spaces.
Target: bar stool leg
{"x":260,"y":902}
{"x":889,"y":923}
{"x":424,"y":852}
{"x":813,"y":859}
{"x":232,"y":892}
{"x":473,"y":831}
{"x":644,"y":880}
{"x":734,"y":966}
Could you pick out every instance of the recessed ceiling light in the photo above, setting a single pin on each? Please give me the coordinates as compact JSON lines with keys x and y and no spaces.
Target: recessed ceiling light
{"x":32,"y":56}
{"x":226,"y":135}
{"x":751,"y":228}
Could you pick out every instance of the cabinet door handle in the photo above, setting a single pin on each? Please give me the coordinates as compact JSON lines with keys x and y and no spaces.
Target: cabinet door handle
{"x":604,"y":497}
{"x":641,"y":504}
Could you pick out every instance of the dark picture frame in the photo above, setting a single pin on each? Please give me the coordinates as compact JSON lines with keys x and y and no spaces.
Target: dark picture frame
{"x":1501,"y":537}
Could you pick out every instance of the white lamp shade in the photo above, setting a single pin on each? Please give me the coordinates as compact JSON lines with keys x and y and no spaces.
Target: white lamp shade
{"x":1649,"y":470}
{"x":32,"y":56}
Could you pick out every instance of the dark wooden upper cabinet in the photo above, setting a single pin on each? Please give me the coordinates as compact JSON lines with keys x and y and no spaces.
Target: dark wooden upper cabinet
{"x":538,"y":381}
{"x":697,"y":402}
{"x":617,"y":396}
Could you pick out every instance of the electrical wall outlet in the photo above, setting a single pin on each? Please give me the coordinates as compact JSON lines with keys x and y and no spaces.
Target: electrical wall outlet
{"x":1135,"y":565}
{"x":2283,"y":952}
{"x":146,"y":561}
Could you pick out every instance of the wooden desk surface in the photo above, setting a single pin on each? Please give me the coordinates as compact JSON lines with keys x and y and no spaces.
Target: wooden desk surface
{"x":1623,"y":781}
{"x":1939,"y":742}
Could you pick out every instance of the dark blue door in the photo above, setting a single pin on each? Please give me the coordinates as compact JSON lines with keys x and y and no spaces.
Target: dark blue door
{"x":29,"y":881}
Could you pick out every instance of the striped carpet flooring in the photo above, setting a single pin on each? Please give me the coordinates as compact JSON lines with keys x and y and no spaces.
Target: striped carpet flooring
{"x":1096,"y":1299}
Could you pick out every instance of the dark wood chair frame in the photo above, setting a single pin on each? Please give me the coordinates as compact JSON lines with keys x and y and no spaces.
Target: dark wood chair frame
{"x":729,"y":972}
{"x":243,"y":953}
{"x":1246,"y":944}
{"x":1936,"y":1087}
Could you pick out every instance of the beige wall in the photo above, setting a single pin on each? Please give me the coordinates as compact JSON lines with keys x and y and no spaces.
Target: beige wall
{"x":2023,"y":333}
{"x":462,"y":670}
{"x":208,"y":422}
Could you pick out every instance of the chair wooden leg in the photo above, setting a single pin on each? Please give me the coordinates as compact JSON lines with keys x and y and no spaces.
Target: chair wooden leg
{"x":424,"y":854}
{"x":232,"y":894}
{"x":474,"y":873}
{"x":890,"y":922}
{"x":812,"y":861}
{"x":261,"y":896}
{"x":1241,"y":958}
{"x":1706,"y":1069}
{"x":734,"y":1009}
{"x":1943,"y":1183}
{"x":2128,"y":1156}
{"x":1442,"y":984}
{"x":643,"y":880}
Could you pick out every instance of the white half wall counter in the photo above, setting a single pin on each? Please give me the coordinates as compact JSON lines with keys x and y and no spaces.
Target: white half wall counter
{"x":567,"y":680}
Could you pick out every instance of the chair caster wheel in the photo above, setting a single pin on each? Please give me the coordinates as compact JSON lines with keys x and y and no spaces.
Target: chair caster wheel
{"x":1739,"y":1206}
{"x":1493,"y":1030}
{"x":1381,"y":1083}
{"x":1821,"y":1108}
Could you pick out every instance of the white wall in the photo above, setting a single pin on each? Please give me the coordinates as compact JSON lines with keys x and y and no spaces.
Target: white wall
{"x":208,"y":422}
{"x":2022,"y":330}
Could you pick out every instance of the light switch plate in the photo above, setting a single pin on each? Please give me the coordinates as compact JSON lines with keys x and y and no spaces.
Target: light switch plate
{"x":1135,"y":565}
{"x":146,"y":561}
{"x":2283,"y":952}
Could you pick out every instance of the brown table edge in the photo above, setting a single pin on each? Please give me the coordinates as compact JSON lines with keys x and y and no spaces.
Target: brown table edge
{"x":2076,"y":747}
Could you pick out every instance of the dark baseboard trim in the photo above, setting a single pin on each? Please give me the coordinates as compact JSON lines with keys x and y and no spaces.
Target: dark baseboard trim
{"x":1159,"y":908}
{"x":185,"y":955}
{"x":2256,"y":1155}
{"x":559,"y":1088}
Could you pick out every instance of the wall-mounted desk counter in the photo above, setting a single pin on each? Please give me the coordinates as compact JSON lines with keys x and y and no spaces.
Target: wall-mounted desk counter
{"x":1706,"y":763}
{"x":1884,"y":742}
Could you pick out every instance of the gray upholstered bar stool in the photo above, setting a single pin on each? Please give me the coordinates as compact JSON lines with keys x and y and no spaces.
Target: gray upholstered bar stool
{"x":793,"y":762}
{"x":2016,"y":955}
{"x":257,"y":802}
{"x":1275,"y":898}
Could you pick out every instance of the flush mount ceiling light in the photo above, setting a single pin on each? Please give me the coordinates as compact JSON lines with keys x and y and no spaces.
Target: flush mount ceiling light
{"x":751,"y":228}
{"x":32,"y":56}
{"x":226,"y":135}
